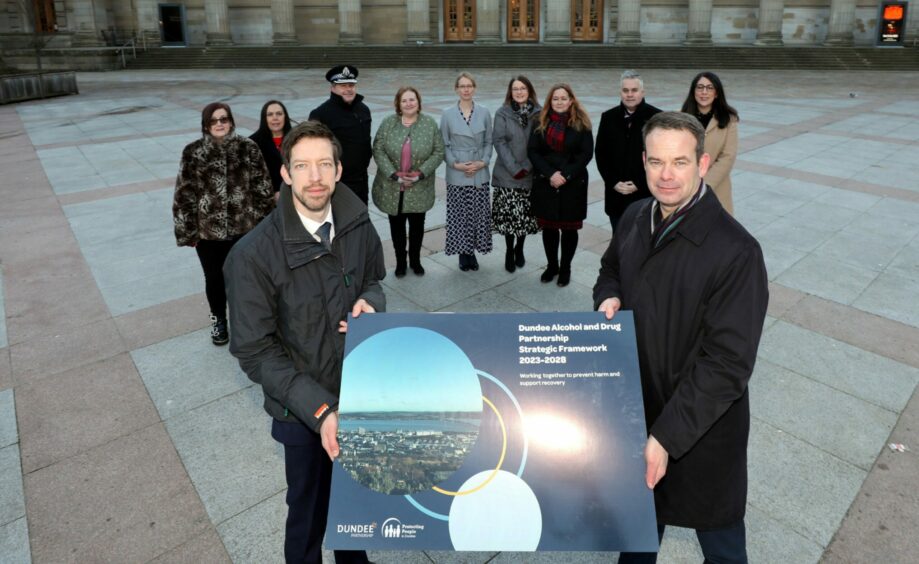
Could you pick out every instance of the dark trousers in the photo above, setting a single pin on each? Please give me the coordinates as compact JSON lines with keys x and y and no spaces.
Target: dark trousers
{"x":415,"y":236}
{"x":614,"y":221}
{"x":550,"y":241}
{"x":212,"y":255}
{"x":721,"y":546}
{"x":309,"y":479}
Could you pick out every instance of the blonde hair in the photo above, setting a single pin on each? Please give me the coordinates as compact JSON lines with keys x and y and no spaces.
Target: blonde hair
{"x":577,"y":115}
{"x":461,"y":76}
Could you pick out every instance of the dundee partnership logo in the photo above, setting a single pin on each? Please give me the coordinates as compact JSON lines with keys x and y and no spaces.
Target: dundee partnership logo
{"x":394,"y":529}
{"x":357,"y":531}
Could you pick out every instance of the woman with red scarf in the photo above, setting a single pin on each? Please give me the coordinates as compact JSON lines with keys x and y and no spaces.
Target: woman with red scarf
{"x":559,"y":149}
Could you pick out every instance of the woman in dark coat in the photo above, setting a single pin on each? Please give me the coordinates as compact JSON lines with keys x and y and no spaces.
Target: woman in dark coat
{"x":512,"y":176}
{"x":274,"y":123}
{"x":560,"y":148}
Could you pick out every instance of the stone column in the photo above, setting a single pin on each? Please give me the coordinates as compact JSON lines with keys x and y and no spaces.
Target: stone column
{"x":487,"y":21}
{"x":148,"y":22}
{"x":418,"y":24}
{"x":349,"y":17}
{"x":628,"y":32}
{"x":282,"y":22}
{"x":699,"y":31}
{"x":842,"y":20}
{"x":83,"y":24}
{"x":217,"y":19}
{"x":769,"y":30}
{"x":558,"y":21}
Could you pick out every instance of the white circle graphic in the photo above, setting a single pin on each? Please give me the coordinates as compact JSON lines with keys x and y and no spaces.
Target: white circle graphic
{"x":504,"y":515}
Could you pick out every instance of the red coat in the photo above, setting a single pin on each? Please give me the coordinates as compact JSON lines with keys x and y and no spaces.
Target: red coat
{"x":699,"y":301}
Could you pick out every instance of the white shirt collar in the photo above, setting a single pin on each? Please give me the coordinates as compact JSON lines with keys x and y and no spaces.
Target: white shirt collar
{"x":313,"y":226}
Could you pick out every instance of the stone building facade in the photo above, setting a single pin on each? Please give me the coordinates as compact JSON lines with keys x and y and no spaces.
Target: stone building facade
{"x":389,"y":22}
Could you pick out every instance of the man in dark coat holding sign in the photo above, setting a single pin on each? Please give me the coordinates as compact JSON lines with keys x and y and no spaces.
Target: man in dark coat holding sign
{"x":696,"y":282}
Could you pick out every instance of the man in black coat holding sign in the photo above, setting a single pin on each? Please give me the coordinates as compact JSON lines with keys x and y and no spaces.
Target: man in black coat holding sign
{"x":696,"y":282}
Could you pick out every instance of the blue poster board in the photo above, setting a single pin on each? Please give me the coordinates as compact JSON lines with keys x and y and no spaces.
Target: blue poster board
{"x":491,"y":432}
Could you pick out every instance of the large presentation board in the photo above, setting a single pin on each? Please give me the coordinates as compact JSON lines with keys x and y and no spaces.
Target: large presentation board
{"x":505,"y":432}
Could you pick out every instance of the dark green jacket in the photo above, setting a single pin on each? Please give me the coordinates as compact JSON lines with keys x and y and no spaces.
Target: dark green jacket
{"x":286,"y":295}
{"x":427,"y":154}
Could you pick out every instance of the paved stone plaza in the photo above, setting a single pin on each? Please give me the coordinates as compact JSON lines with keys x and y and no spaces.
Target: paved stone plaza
{"x":125,"y":436}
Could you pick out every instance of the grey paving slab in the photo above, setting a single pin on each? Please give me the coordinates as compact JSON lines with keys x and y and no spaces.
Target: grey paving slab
{"x":822,"y":215}
{"x":227,"y":449}
{"x":4,"y":339}
{"x":14,"y":542}
{"x":9,"y":433}
{"x":827,"y":278}
{"x":12,"y":500}
{"x":752,"y":217}
{"x":680,"y":546}
{"x":786,"y":400}
{"x":860,"y":249}
{"x":539,"y":296}
{"x":489,"y":301}
{"x":892,"y":296}
{"x":906,"y":262}
{"x":802,"y":487}
{"x":257,"y":534}
{"x":848,"y":199}
{"x":444,"y":557}
{"x":798,"y":189}
{"x":780,"y":258}
{"x":768,"y":202}
{"x":180,"y":374}
{"x":868,"y":376}
{"x":548,"y":557}
{"x":440,"y":286}
{"x":770,"y":540}
{"x":884,"y":225}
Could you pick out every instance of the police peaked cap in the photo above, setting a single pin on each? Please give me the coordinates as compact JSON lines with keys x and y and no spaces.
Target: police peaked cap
{"x":342,"y":74}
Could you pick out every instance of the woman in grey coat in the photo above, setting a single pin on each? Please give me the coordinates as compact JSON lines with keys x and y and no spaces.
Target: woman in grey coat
{"x":512,"y":176}
{"x":466,"y":128}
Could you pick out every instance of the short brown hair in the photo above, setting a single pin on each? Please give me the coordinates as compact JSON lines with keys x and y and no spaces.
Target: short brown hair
{"x":311,"y":129}
{"x":677,"y":121}
{"x":208,"y":112}
{"x":402,"y":91}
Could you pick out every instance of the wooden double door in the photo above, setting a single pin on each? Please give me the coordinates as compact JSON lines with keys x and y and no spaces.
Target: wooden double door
{"x":523,"y":20}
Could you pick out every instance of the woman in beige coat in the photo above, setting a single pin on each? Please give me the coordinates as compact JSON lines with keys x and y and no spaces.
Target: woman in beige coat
{"x":706,"y":101}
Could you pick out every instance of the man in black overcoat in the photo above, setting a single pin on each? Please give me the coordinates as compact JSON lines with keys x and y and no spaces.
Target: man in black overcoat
{"x":346,"y":114}
{"x":696,"y":283}
{"x":619,"y":147}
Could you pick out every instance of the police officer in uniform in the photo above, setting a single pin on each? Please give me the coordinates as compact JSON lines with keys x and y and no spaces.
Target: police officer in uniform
{"x":349,"y":119}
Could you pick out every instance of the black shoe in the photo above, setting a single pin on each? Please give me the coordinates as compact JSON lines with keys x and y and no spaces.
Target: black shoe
{"x":564,"y":277}
{"x":400,"y":269}
{"x":464,"y":262}
{"x":549,"y":274}
{"x":473,"y":262}
{"x":219,"y":333}
{"x":520,"y":260}
{"x":509,"y":261}
{"x":417,"y":268}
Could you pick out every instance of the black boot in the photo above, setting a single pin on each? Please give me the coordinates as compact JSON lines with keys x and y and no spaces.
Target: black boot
{"x":473,"y":262}
{"x":550,"y":245}
{"x":569,"y":245}
{"x":509,"y":264}
{"x":518,"y":252}
{"x":220,"y":335}
{"x":400,"y":264}
{"x":464,"y":262}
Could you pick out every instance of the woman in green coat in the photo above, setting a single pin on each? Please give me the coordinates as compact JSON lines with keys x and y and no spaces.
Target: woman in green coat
{"x":407,"y":148}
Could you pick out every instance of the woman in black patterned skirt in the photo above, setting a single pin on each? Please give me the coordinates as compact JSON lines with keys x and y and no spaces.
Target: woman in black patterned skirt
{"x":512,"y":175}
{"x":466,"y":128}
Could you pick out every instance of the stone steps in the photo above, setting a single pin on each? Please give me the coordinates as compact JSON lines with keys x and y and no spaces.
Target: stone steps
{"x":531,"y":56}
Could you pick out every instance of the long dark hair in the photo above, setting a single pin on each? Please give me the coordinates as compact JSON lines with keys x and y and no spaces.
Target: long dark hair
{"x":531,"y":92}
{"x":723,"y":112}
{"x":209,"y":111}
{"x":263,"y":130}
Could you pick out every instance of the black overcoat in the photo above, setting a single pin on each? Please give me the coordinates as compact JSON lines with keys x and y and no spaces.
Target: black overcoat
{"x":351,"y":125}
{"x":699,"y":301}
{"x":568,"y":203}
{"x":272,"y":156}
{"x":619,"y":155}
